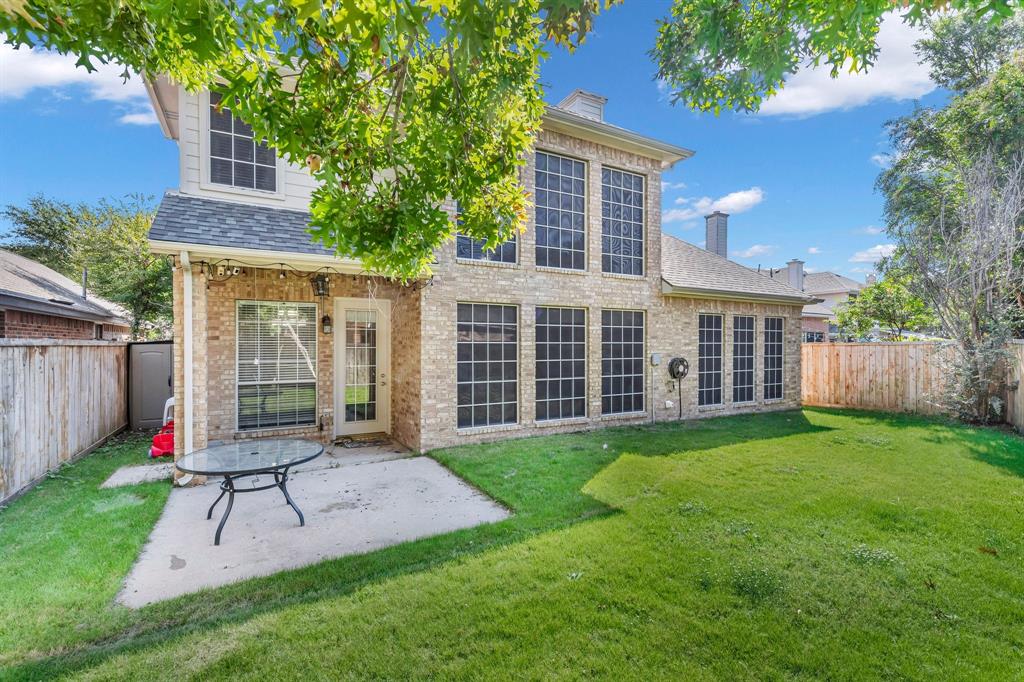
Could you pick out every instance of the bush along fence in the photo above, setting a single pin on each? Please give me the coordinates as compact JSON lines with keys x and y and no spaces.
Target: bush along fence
{"x":58,"y":400}
{"x":894,"y":377}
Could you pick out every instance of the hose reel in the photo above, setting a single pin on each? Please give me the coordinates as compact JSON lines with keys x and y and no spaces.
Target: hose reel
{"x":678,"y":368}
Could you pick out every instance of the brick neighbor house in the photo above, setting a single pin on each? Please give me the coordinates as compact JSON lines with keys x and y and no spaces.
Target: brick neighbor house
{"x":831,"y":290}
{"x":571,"y":326}
{"x":37,"y":302}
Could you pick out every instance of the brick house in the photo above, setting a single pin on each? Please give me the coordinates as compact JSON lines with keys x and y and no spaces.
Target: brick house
{"x":570,"y":326}
{"x":37,"y":302}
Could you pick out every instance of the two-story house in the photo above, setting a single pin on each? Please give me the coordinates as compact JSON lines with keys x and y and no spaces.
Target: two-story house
{"x":572,"y":325}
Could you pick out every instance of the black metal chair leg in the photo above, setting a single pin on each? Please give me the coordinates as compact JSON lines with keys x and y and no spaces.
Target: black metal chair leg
{"x":227,"y":510}
{"x":282,"y":480}
{"x":209,"y":514}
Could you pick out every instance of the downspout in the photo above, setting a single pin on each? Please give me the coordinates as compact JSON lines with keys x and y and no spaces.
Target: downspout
{"x":186,"y":265}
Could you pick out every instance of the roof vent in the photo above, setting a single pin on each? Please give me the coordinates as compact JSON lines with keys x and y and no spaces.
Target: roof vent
{"x":586,"y":104}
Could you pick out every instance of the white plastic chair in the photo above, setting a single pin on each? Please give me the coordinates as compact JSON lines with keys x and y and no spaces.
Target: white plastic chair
{"x":168,"y":410}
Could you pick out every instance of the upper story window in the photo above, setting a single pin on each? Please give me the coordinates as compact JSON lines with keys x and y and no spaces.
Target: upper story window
{"x":559,"y":187}
{"x":236,"y":159}
{"x":622,"y":222}
{"x":473,"y":249}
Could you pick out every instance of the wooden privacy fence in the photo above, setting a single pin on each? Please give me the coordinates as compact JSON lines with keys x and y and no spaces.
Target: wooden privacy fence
{"x":895,"y":377}
{"x":1015,"y":399}
{"x":58,"y":400}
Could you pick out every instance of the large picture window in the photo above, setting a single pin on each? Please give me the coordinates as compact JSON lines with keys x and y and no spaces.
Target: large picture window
{"x":622,"y":361}
{"x":236,"y":159}
{"x":743,"y":359}
{"x":561,"y":363}
{"x":709,"y":359}
{"x":559,"y":190}
{"x":772,"y":358}
{"x":487,"y":364}
{"x":276,"y":364}
{"x":622,"y":222}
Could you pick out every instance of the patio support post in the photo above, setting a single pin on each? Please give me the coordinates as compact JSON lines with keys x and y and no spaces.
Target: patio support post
{"x":186,"y":266}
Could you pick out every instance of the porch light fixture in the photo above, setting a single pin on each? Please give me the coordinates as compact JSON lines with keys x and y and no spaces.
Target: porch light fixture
{"x":321,"y":289}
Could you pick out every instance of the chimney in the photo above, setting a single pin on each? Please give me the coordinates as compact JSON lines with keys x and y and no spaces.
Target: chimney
{"x":870,"y":279}
{"x":85,"y":282}
{"x":586,"y":104}
{"x":795,"y":274}
{"x":717,"y":233}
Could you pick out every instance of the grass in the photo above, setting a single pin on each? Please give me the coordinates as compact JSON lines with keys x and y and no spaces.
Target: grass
{"x":815,"y":544}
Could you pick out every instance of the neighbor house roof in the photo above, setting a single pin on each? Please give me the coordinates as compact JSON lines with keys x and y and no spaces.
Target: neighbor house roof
{"x":829,"y":283}
{"x":818,"y":310}
{"x":33,"y":287}
{"x":690,"y":270}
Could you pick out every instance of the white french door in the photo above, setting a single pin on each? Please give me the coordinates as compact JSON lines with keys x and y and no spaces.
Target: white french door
{"x":362,"y":366}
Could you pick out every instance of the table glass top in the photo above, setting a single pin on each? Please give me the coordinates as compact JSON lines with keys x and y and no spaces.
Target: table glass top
{"x":249,"y":456}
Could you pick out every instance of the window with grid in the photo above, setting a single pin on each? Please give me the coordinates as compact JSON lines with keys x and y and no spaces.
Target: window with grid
{"x":622,"y":361}
{"x":743,"y":359}
{"x":487,"y":364}
{"x":237,"y":159}
{"x":559,"y":191}
{"x":772,"y":358}
{"x":561,"y":379}
{"x":709,"y":359}
{"x":622,"y":222}
{"x":276,"y":364}
{"x":474,"y":249}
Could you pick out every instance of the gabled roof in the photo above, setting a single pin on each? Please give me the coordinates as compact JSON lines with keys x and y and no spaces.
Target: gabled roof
{"x":829,"y":283}
{"x":818,"y":310}
{"x":692,"y":271}
{"x":33,"y":287}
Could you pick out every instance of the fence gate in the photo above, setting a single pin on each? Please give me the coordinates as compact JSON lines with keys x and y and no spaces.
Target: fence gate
{"x":152,"y":382}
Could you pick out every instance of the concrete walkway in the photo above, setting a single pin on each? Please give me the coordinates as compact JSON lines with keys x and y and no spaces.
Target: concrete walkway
{"x":352,"y":505}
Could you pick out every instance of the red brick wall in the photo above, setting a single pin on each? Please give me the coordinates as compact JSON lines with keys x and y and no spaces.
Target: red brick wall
{"x":17,"y":324}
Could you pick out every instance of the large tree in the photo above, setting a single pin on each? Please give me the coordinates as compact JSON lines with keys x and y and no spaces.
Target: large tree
{"x":397,"y":105}
{"x":888,"y":304}
{"x":110,"y":240}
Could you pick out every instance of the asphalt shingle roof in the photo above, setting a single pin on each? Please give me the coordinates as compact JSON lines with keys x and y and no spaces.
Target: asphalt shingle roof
{"x":829,"y":283}
{"x":690,"y":267}
{"x":196,"y":220}
{"x":29,"y":280}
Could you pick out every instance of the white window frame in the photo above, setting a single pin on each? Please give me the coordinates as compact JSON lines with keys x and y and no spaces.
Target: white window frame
{"x":721,"y":362}
{"x":586,"y":365}
{"x":643,"y":365}
{"x":586,"y":213}
{"x":782,"y":359}
{"x":204,"y":162}
{"x":316,"y":366}
{"x":753,"y":369}
{"x":644,"y":241}
{"x":519,"y":370}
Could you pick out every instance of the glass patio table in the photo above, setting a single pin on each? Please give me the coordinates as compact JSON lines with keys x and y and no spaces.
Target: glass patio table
{"x":250,"y":458}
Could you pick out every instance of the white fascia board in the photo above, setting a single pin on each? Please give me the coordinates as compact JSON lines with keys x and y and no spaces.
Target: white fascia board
{"x":260,"y":257}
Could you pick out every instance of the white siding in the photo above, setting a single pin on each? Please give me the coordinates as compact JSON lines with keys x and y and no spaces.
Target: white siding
{"x":295,"y":184}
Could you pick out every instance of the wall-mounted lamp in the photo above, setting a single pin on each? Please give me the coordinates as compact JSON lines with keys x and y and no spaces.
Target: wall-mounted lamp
{"x":322,"y":289}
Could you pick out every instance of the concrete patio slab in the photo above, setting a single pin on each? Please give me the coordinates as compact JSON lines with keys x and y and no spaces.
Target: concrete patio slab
{"x":348,"y":509}
{"x":134,"y":475}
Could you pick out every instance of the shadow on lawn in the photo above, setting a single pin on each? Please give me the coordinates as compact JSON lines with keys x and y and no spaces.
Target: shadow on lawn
{"x":538,"y":510}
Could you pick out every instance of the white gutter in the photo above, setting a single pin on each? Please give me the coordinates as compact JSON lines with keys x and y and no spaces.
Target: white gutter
{"x":186,"y":265}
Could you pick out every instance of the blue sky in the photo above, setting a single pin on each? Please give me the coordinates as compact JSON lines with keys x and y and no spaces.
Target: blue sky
{"x":797,"y":178}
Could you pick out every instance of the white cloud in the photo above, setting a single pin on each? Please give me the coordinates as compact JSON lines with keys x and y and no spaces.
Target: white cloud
{"x":756,"y":250}
{"x":881,"y":160}
{"x":24,"y":70}
{"x":667,"y":186}
{"x":896,"y":75}
{"x":810,"y":269}
{"x":813,"y":250}
{"x":735,"y":202}
{"x":871,"y":229}
{"x":140,"y":118}
{"x":874,"y":254}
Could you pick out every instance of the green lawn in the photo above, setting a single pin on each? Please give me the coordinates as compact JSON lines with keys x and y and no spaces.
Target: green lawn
{"x":813,"y":544}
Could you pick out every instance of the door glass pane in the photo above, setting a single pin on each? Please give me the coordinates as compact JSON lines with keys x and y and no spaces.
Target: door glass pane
{"x":360,"y":365}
